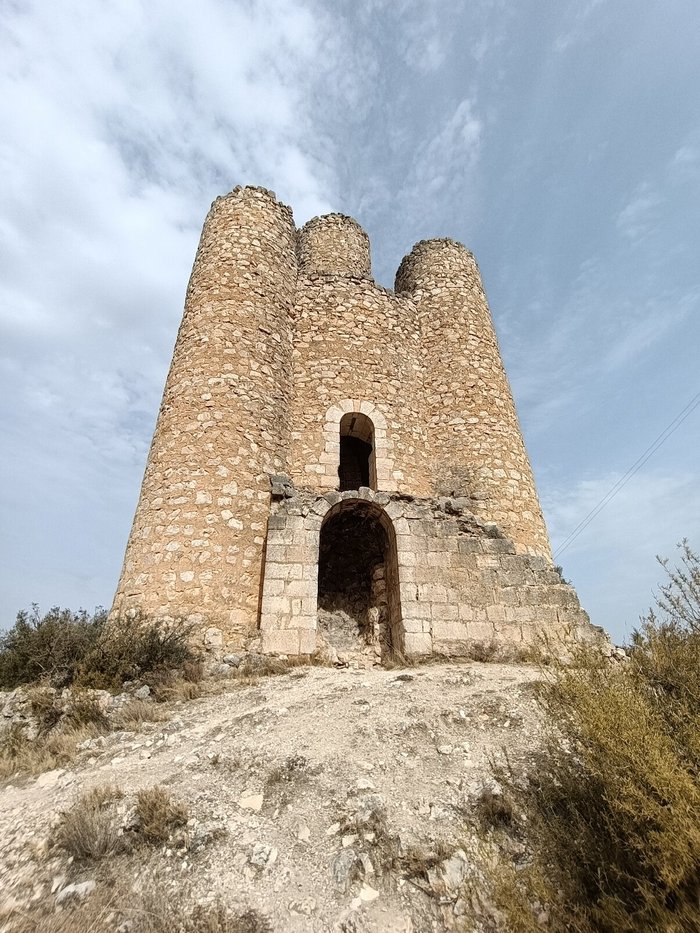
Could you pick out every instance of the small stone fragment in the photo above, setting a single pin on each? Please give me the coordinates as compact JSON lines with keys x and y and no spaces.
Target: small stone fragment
{"x":368,"y":894}
{"x":79,"y":891}
{"x":249,"y":801}
{"x":343,"y":868}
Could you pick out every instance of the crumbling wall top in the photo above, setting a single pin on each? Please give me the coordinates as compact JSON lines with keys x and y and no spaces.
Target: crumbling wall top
{"x":435,"y":262}
{"x":333,"y":244}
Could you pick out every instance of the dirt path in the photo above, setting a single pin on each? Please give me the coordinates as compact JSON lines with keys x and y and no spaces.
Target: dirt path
{"x":305,"y":778}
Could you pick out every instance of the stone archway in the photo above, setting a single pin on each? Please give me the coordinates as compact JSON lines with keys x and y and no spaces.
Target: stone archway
{"x":297,"y":531}
{"x":358,"y":593}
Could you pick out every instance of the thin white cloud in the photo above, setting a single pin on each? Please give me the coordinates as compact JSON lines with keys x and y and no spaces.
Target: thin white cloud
{"x":446,"y":162}
{"x":580,"y":29}
{"x":639,"y":215}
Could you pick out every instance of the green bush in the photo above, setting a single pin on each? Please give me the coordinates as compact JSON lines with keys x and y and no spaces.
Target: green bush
{"x":64,"y":648}
{"x":613,"y":807}
{"x":48,"y":648}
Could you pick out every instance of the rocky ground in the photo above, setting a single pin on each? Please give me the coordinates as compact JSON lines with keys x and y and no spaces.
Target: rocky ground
{"x":323,"y":799}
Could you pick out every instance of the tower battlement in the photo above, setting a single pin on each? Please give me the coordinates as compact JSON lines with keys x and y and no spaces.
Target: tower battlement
{"x":333,"y":244}
{"x":440,"y":261}
{"x":296,"y":384}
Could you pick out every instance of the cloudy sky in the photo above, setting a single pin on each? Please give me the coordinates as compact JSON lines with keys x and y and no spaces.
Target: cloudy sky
{"x":560,"y":141}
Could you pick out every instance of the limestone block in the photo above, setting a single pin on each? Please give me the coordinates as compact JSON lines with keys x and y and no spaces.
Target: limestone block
{"x":482,"y":632}
{"x":470,"y":546}
{"x":446,"y":630}
{"x":413,"y":609}
{"x":285,"y":641}
{"x":417,"y":644}
{"x":445,"y":612}
{"x":213,"y":639}
{"x":498,"y":546}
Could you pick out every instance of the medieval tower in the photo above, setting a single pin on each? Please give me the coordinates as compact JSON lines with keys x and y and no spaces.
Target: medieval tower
{"x":325,"y":445}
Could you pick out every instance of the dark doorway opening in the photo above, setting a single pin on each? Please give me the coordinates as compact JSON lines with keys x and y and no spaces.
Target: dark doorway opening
{"x":358,"y":605}
{"x":357,"y":461}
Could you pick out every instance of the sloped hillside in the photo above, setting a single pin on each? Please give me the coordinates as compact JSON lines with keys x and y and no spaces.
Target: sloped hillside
{"x":321,"y":799}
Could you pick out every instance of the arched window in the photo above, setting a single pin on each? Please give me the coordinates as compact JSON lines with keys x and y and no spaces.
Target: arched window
{"x":357,"y":458}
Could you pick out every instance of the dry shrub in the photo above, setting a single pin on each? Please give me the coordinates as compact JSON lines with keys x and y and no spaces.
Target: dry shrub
{"x":85,"y":711}
{"x":89,"y":830}
{"x":135,"y":713}
{"x":56,"y":749}
{"x":158,"y":814}
{"x":614,"y":805}
{"x":494,"y":808}
{"x":483,"y":651}
{"x":65,"y":648}
{"x":44,"y":708}
{"x":416,"y":861}
{"x":292,"y":769}
{"x":48,"y":647}
{"x":117,"y":905}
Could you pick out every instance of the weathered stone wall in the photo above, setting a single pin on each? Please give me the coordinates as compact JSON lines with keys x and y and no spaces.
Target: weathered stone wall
{"x":356,"y":348}
{"x":456,"y":583}
{"x":196,"y":546}
{"x":474,"y":440}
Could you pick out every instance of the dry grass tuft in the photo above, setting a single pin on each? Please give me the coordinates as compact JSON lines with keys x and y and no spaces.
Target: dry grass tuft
{"x":135,"y":713}
{"x":21,"y":755}
{"x":494,"y":809}
{"x":158,"y":815}
{"x":292,"y":769}
{"x":89,"y":830}
{"x":162,"y":917}
{"x":173,"y":687}
{"x":118,"y":906}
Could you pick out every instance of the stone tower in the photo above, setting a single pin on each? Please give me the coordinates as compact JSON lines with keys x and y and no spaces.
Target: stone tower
{"x":337,"y":462}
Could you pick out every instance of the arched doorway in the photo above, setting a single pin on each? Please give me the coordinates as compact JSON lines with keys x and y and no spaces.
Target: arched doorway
{"x":357,"y":465}
{"x":359,"y":609}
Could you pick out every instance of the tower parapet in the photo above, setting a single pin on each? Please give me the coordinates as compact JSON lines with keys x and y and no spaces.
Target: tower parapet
{"x":334,"y":245}
{"x":441,"y":262}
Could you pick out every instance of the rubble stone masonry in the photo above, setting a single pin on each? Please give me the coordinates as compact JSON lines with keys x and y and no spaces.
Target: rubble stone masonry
{"x":289,"y":357}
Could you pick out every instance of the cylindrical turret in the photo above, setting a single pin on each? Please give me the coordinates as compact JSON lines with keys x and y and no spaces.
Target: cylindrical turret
{"x":474,"y":439}
{"x":333,"y":245}
{"x":196,"y":545}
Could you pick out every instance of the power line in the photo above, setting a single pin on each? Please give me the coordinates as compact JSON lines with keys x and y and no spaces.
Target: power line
{"x":637,"y":465}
